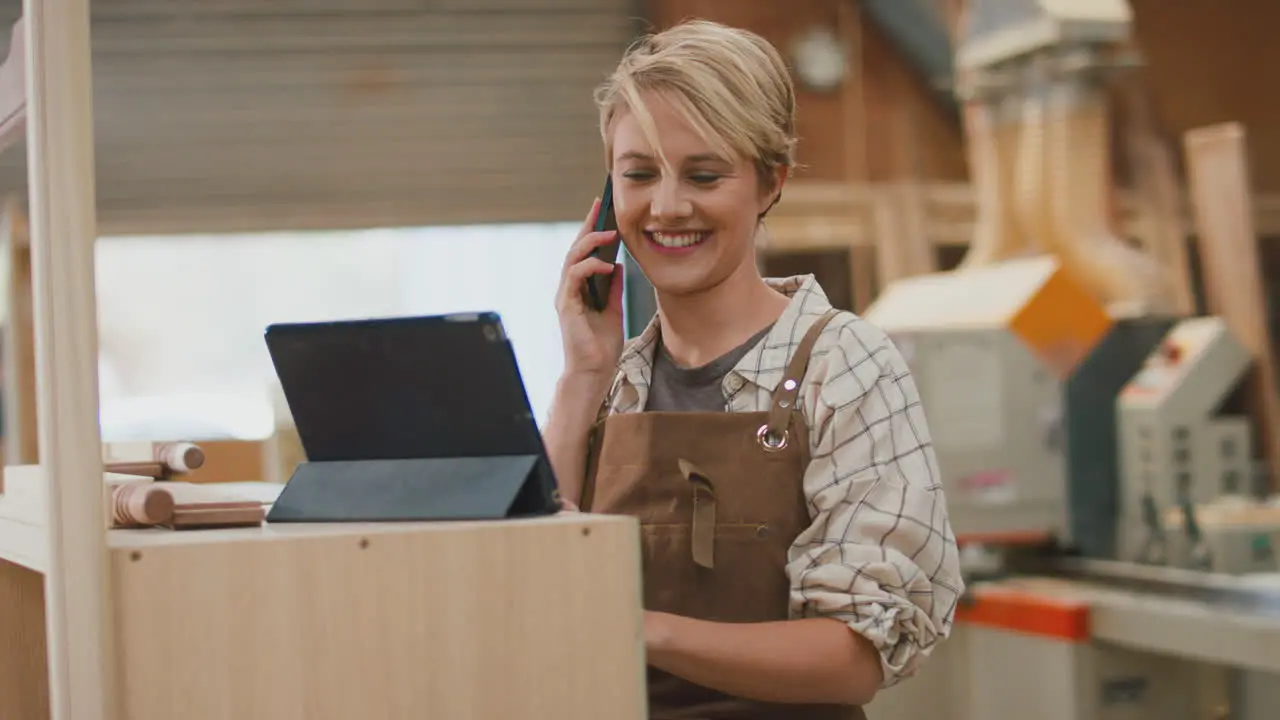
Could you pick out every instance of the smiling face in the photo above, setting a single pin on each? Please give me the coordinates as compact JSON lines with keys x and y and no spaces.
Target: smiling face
{"x":690,"y":225}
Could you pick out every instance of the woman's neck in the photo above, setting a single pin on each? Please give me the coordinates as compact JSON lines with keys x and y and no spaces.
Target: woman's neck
{"x":698,"y":328}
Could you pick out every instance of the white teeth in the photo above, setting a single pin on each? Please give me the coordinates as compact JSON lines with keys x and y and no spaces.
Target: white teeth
{"x":680,"y":240}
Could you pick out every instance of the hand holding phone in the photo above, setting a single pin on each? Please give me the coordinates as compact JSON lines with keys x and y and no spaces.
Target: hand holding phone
{"x":596,"y":290}
{"x":588,"y":300}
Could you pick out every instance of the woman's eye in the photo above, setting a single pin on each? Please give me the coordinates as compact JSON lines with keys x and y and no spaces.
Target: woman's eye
{"x":704,"y":179}
{"x":637,"y":175}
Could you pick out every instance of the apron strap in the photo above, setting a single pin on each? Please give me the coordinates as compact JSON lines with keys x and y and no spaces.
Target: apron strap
{"x":773,"y":435}
{"x":595,"y":440}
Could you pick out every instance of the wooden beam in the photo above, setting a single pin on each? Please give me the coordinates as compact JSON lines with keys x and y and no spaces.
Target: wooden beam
{"x":1218,"y":175}
{"x":903,"y":248}
{"x":60,"y":162}
{"x":23,"y":669}
{"x":20,"y":437}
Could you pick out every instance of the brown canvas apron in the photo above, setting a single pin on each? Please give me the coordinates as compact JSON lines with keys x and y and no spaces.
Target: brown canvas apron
{"x":720,"y":499}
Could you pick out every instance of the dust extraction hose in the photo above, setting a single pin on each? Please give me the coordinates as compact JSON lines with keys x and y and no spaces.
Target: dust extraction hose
{"x":992,"y":139}
{"x":1078,"y":230}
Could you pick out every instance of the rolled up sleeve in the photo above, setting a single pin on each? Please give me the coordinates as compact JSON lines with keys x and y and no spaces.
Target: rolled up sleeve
{"x":880,"y":553}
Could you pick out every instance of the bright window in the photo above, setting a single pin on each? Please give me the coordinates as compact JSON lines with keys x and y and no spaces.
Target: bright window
{"x":181,"y":318}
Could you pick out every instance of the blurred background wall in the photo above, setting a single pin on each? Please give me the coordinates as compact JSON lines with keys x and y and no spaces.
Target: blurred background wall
{"x":331,"y":158}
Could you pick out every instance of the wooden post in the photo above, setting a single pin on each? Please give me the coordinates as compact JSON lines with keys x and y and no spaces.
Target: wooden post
{"x":853,"y":108}
{"x":60,"y":160}
{"x":1218,"y":176}
{"x":20,"y":441}
{"x":903,"y":247}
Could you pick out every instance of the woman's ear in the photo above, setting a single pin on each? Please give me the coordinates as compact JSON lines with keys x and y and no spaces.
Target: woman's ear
{"x":779,"y":177}
{"x":776,"y":197}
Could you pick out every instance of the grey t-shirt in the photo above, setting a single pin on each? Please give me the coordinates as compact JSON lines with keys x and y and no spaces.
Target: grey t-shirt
{"x":677,"y":389}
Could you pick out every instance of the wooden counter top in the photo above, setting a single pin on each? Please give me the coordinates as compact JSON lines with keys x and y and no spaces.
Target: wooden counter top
{"x":270,"y":532}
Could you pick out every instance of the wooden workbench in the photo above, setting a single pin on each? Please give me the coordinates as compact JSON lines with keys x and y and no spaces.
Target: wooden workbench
{"x":532,"y":618}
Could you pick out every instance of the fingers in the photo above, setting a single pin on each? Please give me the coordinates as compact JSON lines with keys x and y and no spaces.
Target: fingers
{"x":616,"y":289}
{"x":588,"y":225}
{"x":569,"y":296}
{"x":592,"y":214}
{"x":583,"y":246}
{"x":579,"y":265}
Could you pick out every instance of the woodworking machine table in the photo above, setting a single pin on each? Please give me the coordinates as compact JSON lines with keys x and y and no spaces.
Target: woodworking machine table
{"x":1235,"y":623}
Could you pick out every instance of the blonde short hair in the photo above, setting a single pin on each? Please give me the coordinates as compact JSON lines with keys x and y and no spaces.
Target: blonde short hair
{"x":731,"y":85}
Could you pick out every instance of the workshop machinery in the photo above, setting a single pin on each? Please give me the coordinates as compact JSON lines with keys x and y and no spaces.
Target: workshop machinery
{"x":1056,"y":424}
{"x":1037,"y":399}
{"x":1018,"y":368}
{"x":1049,"y":350}
{"x":1055,"y":367}
{"x":1187,"y":457}
{"x":1021,"y":351}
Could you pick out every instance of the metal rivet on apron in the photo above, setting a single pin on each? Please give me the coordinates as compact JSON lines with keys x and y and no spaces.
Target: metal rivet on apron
{"x":769,"y":440}
{"x":784,"y":403}
{"x":762,"y":531}
{"x":789,"y":384}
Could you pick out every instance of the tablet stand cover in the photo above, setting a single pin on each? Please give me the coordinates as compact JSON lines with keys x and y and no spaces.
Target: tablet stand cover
{"x":463,"y":488}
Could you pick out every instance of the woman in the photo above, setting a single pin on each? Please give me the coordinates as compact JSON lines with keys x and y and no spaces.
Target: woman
{"x":796,"y":549}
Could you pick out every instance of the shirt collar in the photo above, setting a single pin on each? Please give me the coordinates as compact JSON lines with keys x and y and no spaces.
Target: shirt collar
{"x":765,"y":364}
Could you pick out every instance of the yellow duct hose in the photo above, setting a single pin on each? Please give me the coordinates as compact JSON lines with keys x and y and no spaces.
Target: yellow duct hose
{"x":1008,"y":139}
{"x":991,"y":140}
{"x":1078,"y":231}
{"x":1031,"y":185}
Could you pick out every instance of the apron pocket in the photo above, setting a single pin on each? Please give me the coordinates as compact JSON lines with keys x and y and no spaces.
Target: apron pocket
{"x":747,"y":583}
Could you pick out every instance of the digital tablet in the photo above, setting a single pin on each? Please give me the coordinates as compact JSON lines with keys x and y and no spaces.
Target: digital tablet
{"x":444,"y":387}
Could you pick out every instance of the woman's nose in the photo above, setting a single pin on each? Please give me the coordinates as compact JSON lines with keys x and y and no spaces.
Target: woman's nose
{"x":669,"y":202}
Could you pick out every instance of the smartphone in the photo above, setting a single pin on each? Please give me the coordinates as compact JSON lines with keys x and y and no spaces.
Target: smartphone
{"x":597,"y":286}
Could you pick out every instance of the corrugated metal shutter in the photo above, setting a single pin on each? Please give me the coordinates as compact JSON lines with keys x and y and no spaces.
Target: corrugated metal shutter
{"x":222,"y":115}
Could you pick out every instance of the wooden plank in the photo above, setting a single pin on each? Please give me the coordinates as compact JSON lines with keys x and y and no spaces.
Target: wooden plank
{"x":1218,"y":176}
{"x":854,"y":117}
{"x":78,"y":612}
{"x":24,"y":683}
{"x":902,"y":248}
{"x":21,"y":445}
{"x":23,"y":518}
